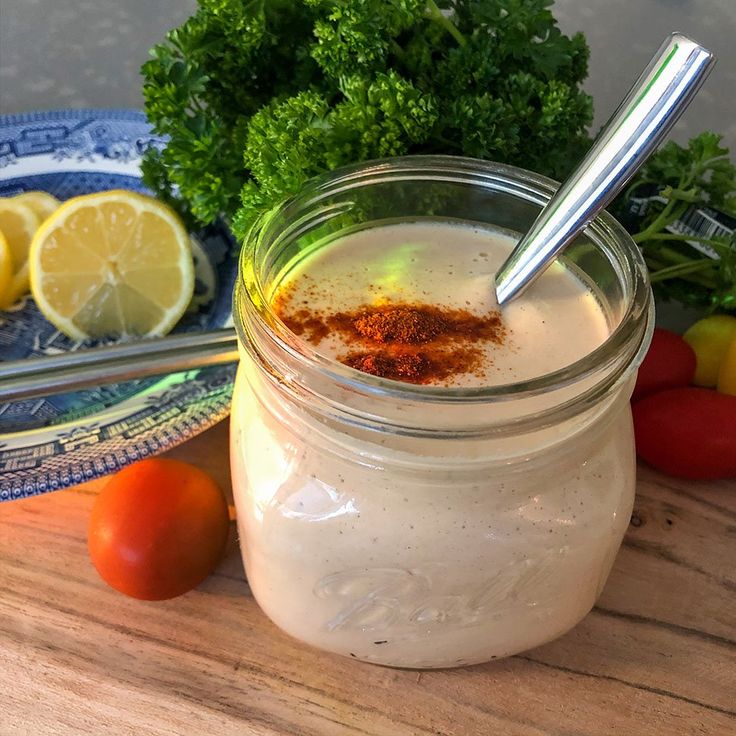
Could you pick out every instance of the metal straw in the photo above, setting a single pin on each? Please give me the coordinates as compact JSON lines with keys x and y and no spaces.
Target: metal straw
{"x":79,"y":369}
{"x":657,"y":99}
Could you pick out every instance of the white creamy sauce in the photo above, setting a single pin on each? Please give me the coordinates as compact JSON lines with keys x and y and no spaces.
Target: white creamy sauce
{"x":432,"y":567}
{"x":557,"y":321}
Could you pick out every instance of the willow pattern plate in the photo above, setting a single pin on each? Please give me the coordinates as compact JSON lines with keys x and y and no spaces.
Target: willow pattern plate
{"x":58,"y":441}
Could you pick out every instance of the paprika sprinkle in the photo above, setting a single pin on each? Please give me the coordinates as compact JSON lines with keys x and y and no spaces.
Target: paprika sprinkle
{"x":385,"y":340}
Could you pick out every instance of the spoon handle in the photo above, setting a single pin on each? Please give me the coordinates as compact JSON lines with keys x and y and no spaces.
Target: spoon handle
{"x":655,"y":102}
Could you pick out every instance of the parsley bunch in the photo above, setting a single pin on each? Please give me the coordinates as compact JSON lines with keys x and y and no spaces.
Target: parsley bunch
{"x":256,"y":96}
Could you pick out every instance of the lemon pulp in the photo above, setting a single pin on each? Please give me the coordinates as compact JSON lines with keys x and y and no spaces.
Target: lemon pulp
{"x":112,"y":264}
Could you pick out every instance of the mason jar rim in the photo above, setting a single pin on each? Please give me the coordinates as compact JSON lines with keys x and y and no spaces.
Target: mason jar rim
{"x":527,"y":185}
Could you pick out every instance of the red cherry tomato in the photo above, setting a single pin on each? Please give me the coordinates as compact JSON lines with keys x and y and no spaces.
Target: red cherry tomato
{"x":157,"y":529}
{"x":669,"y":363}
{"x":688,"y":432}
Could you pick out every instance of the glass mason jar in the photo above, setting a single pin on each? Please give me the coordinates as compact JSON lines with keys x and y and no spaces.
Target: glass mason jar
{"x":419,"y":526}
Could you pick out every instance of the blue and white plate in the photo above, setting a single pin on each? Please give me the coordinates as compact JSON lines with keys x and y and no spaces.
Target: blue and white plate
{"x":58,"y":441}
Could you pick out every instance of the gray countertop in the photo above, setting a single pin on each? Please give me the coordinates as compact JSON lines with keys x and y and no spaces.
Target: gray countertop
{"x":87,"y":53}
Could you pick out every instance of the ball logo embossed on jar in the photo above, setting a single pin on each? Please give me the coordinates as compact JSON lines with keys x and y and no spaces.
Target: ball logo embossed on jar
{"x":378,"y":598}
{"x":375,"y":597}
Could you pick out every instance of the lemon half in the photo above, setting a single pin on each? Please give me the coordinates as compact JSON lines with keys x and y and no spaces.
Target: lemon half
{"x":18,"y":223}
{"x":42,"y":203}
{"x":112,"y":264}
{"x":6,"y":267}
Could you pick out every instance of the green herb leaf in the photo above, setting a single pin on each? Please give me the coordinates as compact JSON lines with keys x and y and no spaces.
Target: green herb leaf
{"x":699,"y":175}
{"x":258,"y":95}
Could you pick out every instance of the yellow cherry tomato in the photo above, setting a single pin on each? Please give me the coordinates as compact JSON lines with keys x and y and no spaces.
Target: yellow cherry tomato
{"x":710,"y":338}
{"x":727,"y":370}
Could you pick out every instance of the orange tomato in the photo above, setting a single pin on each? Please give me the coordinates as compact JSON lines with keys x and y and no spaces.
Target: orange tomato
{"x":669,"y":363}
{"x":157,"y":529}
{"x":687,"y":432}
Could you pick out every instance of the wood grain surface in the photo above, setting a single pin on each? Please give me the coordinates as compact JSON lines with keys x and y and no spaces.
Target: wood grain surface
{"x":656,"y":656}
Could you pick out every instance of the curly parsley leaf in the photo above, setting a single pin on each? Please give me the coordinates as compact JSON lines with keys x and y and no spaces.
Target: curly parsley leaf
{"x":258,"y":95}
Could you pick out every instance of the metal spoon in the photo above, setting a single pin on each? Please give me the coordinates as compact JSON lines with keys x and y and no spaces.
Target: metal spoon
{"x":655,"y":102}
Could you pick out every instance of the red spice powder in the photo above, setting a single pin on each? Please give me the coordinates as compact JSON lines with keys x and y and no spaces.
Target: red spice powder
{"x":417,"y":367}
{"x":416,"y":324}
{"x":303,"y":322}
{"x":411,"y":367}
{"x":408,"y":325}
{"x":388,"y":335}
